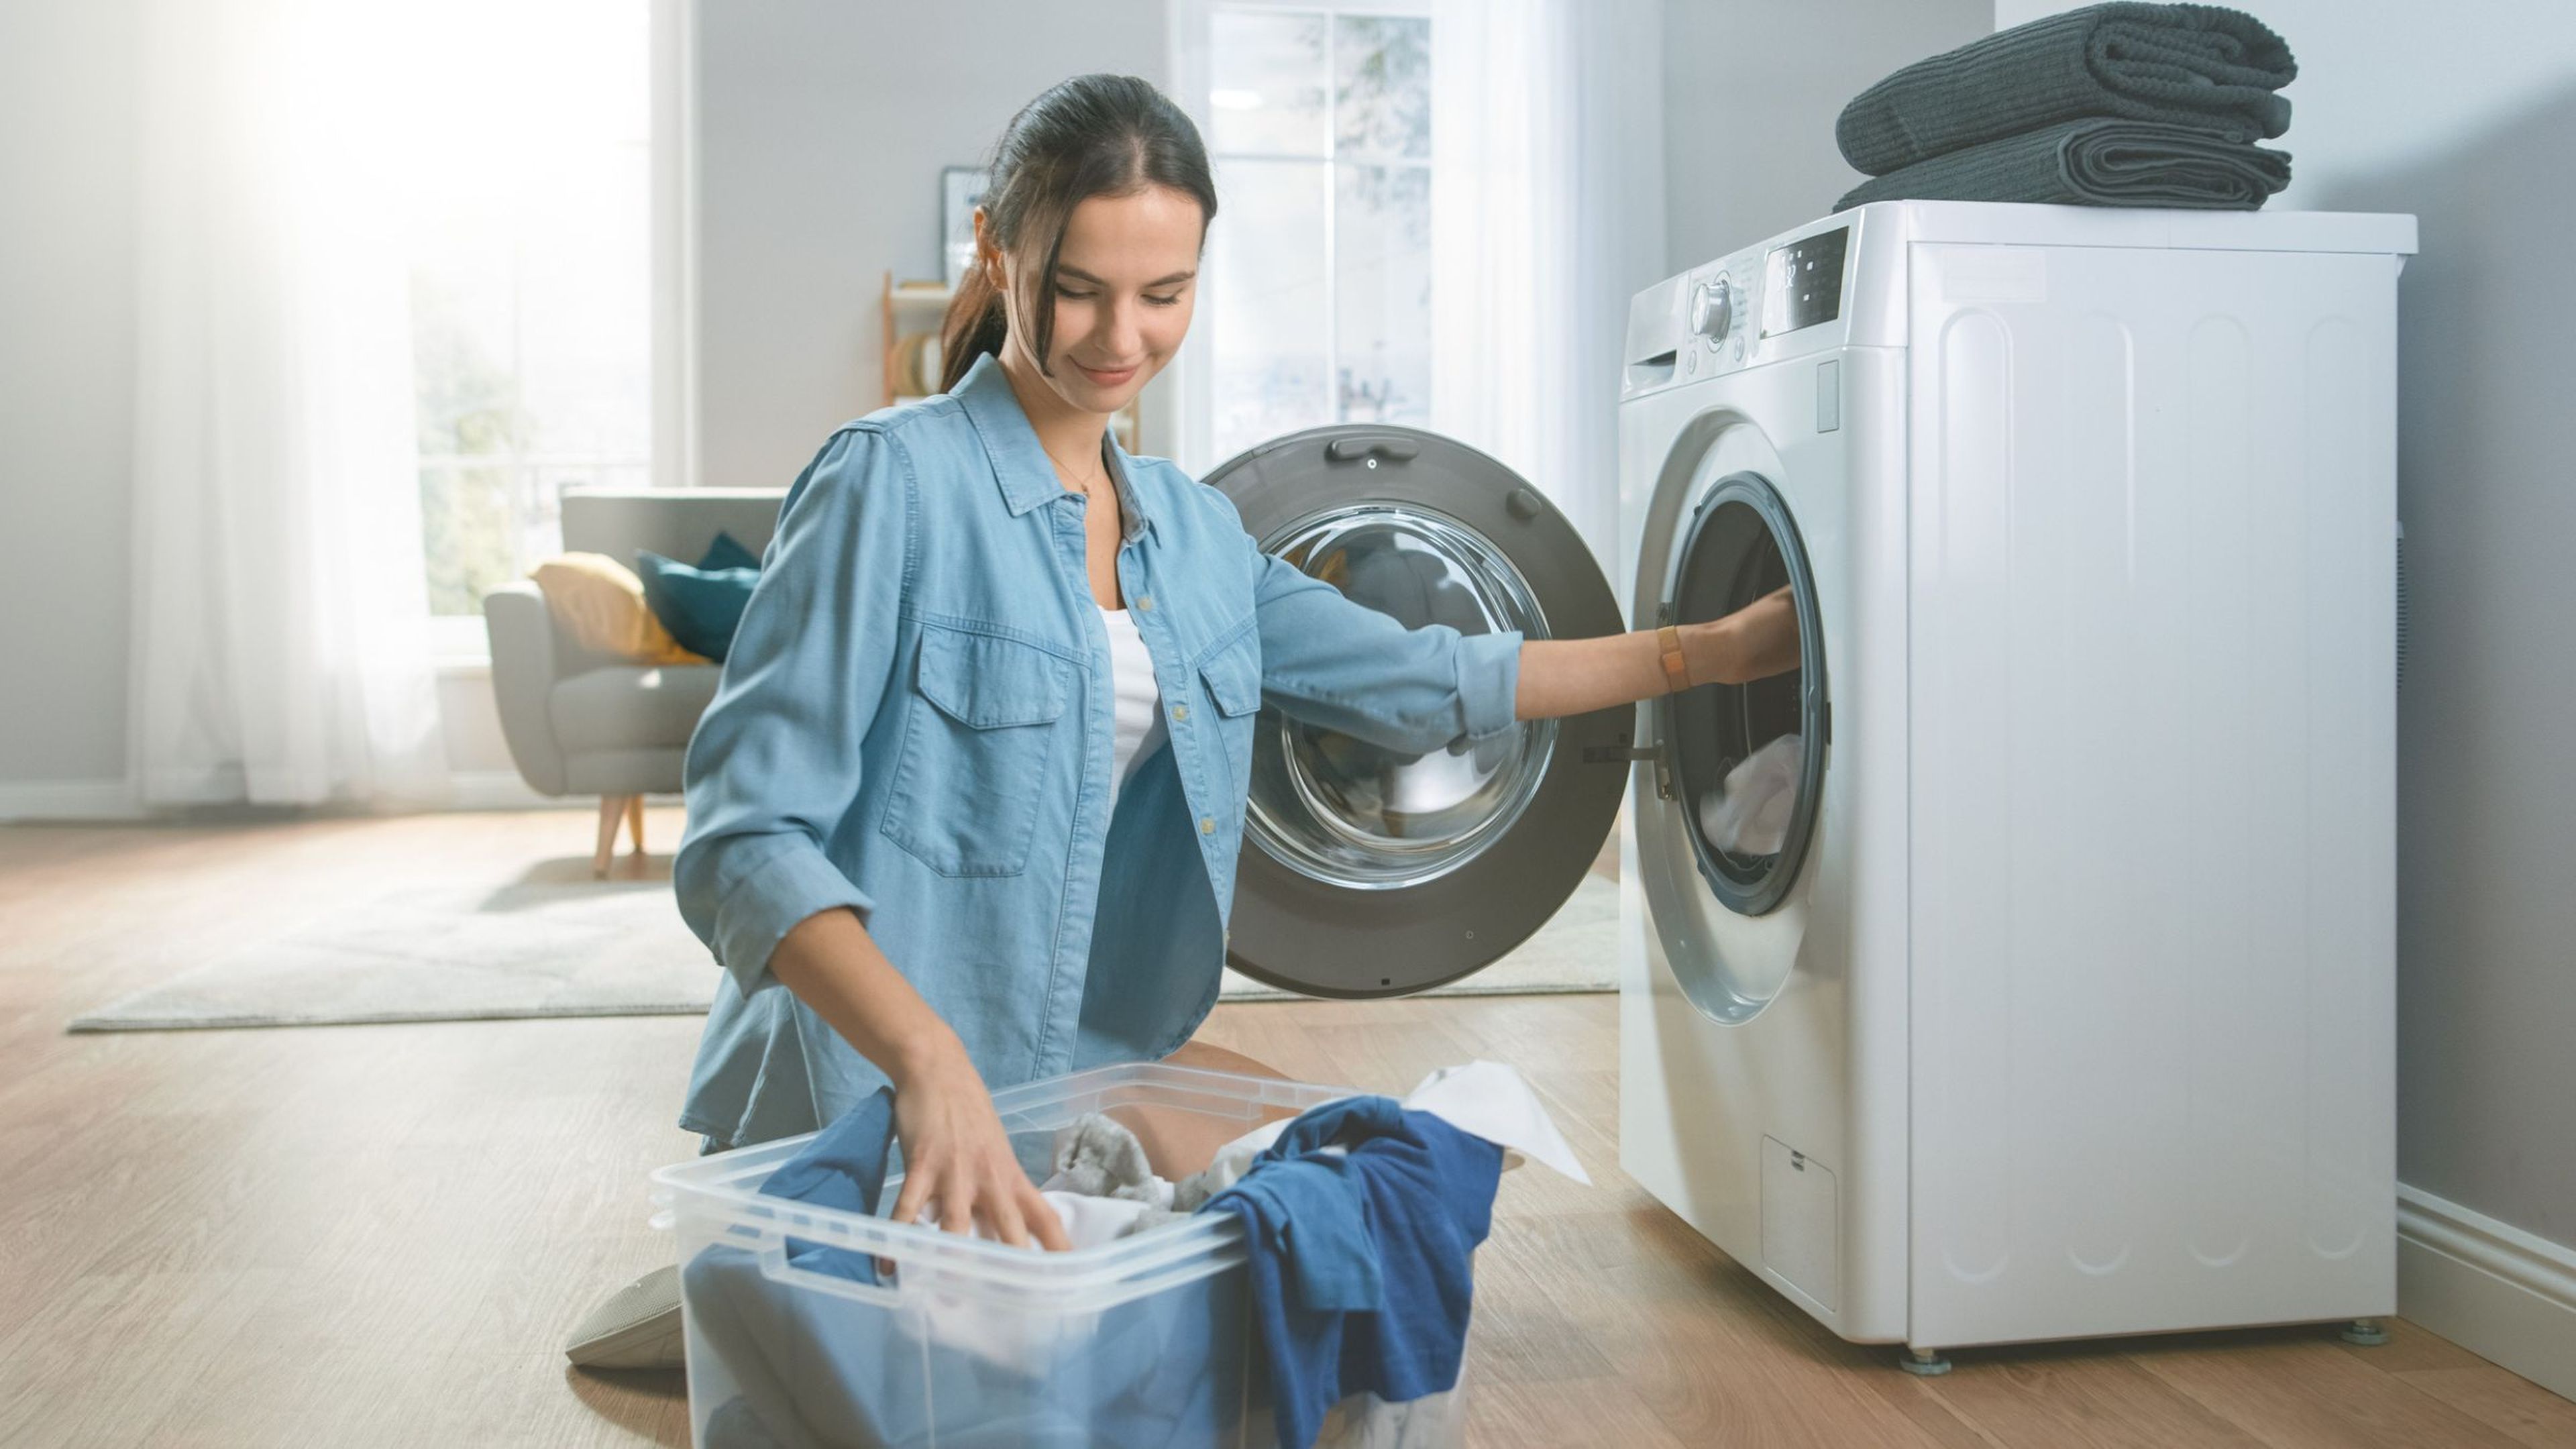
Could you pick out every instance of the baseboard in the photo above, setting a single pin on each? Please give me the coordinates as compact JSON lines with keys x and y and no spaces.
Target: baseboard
{"x":2499,"y":1292}
{"x":29,"y":800}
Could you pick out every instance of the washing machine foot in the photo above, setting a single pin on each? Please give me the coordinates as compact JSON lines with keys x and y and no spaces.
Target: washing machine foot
{"x":1923,"y":1363}
{"x":2365,"y":1331}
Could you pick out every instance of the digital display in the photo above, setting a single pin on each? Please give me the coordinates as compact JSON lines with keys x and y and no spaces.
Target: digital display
{"x":1802,"y":283}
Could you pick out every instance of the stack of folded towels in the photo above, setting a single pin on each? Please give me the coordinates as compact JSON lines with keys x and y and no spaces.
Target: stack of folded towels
{"x":2111,"y":105}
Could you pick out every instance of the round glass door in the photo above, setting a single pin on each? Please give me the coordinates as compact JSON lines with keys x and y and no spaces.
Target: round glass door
{"x":1343,"y":811}
{"x":1368,"y":871}
{"x":1747,"y":760}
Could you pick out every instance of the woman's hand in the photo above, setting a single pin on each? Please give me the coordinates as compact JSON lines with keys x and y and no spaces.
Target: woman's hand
{"x":957,"y":1158}
{"x":1755,"y":642}
{"x":955,"y":1153}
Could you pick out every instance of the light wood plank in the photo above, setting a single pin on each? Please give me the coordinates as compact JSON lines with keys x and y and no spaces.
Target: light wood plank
{"x":2502,"y":1399}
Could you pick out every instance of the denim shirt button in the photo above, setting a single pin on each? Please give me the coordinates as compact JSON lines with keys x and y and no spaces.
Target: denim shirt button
{"x":1207,"y":825}
{"x":1145,"y":602}
{"x":1180,"y":711}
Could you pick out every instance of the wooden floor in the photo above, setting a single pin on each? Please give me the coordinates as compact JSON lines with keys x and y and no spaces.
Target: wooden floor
{"x":378,"y":1235}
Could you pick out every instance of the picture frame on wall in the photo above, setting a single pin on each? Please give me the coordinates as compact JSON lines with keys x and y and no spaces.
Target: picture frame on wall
{"x":961,"y":190}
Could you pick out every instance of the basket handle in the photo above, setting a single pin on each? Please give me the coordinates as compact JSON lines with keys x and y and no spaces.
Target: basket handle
{"x":775,"y":1267}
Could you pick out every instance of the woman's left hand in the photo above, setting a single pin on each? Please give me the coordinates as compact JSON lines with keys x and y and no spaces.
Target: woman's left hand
{"x":1755,"y":642}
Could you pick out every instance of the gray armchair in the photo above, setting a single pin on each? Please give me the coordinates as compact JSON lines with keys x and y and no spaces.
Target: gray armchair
{"x":583,"y":723}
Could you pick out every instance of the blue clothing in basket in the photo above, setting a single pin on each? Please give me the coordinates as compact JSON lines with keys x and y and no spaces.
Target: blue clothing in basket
{"x":812,"y":1369}
{"x":1361,"y":1261}
{"x":915,"y":723}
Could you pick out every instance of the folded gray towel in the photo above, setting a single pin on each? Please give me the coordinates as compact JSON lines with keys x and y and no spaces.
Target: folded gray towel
{"x":2094,"y":163}
{"x":2203,"y":66}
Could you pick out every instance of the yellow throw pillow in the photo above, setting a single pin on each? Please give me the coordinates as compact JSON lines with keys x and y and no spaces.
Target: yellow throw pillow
{"x":601,"y":604}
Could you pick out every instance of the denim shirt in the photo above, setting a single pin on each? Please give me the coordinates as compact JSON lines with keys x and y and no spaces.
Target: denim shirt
{"x":915,"y":722}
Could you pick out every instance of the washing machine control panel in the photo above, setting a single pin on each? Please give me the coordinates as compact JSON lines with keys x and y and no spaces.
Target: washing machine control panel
{"x":1802,"y":292}
{"x":1733,"y":307}
{"x":1802,"y":281}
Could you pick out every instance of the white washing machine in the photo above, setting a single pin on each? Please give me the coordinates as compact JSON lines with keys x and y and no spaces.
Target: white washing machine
{"x":2062,"y":1005}
{"x":2057,"y":1001}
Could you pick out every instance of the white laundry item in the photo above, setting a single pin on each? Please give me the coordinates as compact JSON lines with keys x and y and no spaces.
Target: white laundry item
{"x":1139,"y":702}
{"x":1091,"y":1221}
{"x":1749,"y":813}
{"x":1493,"y":1101}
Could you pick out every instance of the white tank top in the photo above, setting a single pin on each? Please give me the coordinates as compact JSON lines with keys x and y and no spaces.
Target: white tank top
{"x":1139,"y":703}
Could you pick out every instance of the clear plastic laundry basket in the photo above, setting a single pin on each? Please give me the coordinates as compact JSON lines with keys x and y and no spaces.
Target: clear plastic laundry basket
{"x":1148,"y":1340}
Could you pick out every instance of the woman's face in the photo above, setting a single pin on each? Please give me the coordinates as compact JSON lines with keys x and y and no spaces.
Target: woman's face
{"x":1125,"y":284}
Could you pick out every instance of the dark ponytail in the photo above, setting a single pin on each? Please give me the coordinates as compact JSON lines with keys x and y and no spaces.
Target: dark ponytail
{"x":1093,"y":135}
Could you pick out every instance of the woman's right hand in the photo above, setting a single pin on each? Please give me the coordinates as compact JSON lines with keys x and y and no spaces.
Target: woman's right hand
{"x":957,"y":1158}
{"x":955,"y":1153}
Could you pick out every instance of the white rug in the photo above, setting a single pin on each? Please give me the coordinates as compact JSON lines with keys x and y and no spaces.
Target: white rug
{"x":610,"y":948}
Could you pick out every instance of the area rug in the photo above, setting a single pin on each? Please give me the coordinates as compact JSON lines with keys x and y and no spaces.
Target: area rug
{"x":615,"y":948}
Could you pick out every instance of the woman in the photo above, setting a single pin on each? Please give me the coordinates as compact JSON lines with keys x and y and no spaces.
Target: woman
{"x":964,"y":812}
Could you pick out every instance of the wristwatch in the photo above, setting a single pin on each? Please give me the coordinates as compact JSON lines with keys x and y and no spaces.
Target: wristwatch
{"x":1676,"y":667}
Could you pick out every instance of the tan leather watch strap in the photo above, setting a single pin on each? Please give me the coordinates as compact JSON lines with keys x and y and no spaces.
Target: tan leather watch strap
{"x":1676,"y":667}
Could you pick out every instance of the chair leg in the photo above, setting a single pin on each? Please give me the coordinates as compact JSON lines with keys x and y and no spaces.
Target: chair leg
{"x":635,"y":821}
{"x":612,"y":809}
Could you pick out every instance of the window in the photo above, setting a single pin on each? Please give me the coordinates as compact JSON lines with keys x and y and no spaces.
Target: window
{"x":533,"y":292}
{"x":1318,"y":300}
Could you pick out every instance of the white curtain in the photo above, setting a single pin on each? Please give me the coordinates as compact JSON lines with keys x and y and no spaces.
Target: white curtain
{"x":279,"y":642}
{"x":1547,"y":215}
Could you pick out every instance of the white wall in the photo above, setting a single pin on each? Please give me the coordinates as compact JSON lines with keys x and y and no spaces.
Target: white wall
{"x":2466,"y":116}
{"x":822,"y":127}
{"x":67,"y":158}
{"x":1751,"y":89}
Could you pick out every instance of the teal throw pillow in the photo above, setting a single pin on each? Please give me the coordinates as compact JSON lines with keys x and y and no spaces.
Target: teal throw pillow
{"x":700,"y":606}
{"x":727,"y":552}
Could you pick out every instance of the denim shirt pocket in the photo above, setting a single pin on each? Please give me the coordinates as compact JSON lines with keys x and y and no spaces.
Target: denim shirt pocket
{"x":972,"y":769}
{"x":1230,"y":672}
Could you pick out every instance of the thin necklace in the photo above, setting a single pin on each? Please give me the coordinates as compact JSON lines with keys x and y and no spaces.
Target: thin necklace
{"x":1085,"y":489}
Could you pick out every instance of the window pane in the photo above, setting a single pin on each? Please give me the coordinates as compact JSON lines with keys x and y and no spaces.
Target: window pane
{"x":585,"y":348}
{"x":530,"y":220}
{"x":1382,"y":85}
{"x":465,"y":533}
{"x":1268,"y":302}
{"x":462,"y":378}
{"x":1382,"y":272}
{"x":1266,"y":82}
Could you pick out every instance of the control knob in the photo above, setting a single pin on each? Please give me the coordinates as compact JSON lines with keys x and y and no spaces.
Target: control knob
{"x":1713,"y":310}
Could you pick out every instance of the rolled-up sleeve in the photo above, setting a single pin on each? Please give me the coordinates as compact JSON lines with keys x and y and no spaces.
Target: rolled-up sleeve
{"x":775,"y":762}
{"x":1333,"y":661}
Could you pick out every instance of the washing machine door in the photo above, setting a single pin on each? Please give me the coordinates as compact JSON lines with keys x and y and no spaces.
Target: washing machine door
{"x":1742,"y":766}
{"x":1368,"y":872}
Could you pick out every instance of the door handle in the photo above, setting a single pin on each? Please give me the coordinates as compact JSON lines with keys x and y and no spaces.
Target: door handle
{"x":1619,"y":754}
{"x":1368,"y":445}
